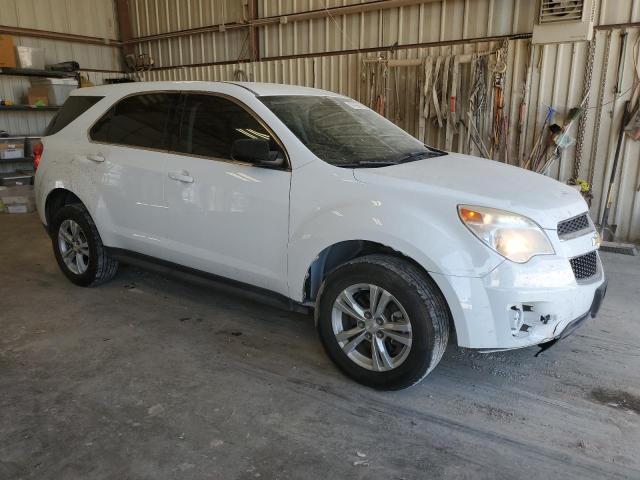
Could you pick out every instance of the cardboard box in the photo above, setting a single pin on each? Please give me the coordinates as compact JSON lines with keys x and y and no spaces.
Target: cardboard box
{"x":11,"y":150}
{"x":20,"y":199}
{"x":37,"y":93}
{"x":7,"y":52}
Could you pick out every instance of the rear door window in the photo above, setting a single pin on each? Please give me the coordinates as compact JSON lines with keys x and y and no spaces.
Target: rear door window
{"x":75,"y":106}
{"x":210,"y":124}
{"x":137,"y":121}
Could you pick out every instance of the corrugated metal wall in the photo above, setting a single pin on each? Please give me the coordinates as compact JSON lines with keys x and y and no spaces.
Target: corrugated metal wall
{"x":81,"y":17}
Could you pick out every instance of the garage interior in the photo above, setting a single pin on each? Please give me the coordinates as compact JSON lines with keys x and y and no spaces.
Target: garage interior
{"x":150,"y":376}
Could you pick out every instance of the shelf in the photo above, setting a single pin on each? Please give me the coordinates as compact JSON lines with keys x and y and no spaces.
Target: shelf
{"x":28,"y":108}
{"x":31,"y":72}
{"x":20,"y":137}
{"x":17,"y":160}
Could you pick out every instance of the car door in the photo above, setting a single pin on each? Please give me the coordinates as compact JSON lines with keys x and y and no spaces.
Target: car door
{"x":226,"y":217}
{"x":129,"y":148}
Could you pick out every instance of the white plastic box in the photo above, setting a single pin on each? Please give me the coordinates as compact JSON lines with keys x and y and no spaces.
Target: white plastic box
{"x":58,"y":89}
{"x":30,"y":57}
{"x":11,"y":148}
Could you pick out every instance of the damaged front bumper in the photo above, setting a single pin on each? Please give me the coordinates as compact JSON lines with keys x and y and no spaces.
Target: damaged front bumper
{"x":572,"y":326}
{"x":521,"y":305}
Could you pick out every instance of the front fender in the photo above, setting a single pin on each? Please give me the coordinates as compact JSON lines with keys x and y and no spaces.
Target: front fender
{"x":432,"y":236}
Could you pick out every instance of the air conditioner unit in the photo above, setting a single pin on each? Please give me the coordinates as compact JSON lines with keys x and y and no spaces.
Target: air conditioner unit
{"x":563,"y":21}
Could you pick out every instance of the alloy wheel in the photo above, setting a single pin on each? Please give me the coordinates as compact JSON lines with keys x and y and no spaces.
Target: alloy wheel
{"x":372,"y":327}
{"x":73,"y":246}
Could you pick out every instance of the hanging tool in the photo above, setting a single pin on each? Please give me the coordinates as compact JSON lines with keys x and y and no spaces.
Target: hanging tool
{"x":475,"y":136}
{"x":498,"y":131}
{"x":543,"y":133}
{"x":434,"y":93}
{"x":478,"y":96}
{"x":620,"y":73}
{"x":452,"y":118}
{"x":424,"y":98}
{"x":614,"y":169}
{"x":522,"y":109}
{"x":561,"y":139}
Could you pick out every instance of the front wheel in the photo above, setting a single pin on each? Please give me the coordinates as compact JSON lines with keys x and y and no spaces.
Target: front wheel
{"x":382,"y":321}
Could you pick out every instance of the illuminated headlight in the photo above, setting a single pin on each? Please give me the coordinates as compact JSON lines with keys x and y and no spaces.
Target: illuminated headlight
{"x":511,"y":235}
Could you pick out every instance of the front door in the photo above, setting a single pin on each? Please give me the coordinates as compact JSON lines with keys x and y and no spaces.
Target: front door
{"x":226,"y":217}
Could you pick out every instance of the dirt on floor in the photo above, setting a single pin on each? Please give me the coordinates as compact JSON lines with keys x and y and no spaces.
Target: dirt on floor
{"x":150,"y":378}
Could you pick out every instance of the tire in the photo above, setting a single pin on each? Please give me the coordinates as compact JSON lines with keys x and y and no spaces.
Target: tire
{"x":409,"y":292}
{"x":99,"y":266}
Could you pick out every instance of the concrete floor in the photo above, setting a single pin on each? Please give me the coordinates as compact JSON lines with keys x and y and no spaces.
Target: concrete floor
{"x":146,"y":377}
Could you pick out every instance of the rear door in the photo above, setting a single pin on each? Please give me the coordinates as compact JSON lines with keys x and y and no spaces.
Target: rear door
{"x":226,"y":217}
{"x":129,"y":150}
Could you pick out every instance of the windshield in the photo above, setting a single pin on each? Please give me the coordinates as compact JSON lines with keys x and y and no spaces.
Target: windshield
{"x":345,"y":133}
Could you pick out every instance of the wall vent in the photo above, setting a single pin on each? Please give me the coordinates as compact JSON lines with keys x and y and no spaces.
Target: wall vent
{"x":561,"y":21}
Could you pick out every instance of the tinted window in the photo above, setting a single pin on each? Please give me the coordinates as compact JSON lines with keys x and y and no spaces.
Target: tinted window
{"x":139,"y":121}
{"x":72,"y":109}
{"x":210,"y":124}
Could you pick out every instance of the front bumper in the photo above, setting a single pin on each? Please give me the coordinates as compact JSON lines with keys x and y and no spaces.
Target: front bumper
{"x":542,"y":293}
{"x":572,"y":326}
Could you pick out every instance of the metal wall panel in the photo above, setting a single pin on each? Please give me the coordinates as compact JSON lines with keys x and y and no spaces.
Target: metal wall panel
{"x":81,"y":17}
{"x":443,"y":20}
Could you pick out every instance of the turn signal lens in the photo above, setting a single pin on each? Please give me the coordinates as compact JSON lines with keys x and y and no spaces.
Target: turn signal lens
{"x":470,"y":216}
{"x":511,"y":235}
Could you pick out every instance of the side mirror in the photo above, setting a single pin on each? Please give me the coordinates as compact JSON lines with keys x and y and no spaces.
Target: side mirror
{"x":255,"y":151}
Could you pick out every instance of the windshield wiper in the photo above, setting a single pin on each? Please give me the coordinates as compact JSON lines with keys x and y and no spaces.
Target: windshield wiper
{"x":367,"y":164}
{"x":416,"y":156}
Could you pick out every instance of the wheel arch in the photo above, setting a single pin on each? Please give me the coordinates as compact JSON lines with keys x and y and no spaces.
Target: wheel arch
{"x":55,"y":200}
{"x":333,"y":256}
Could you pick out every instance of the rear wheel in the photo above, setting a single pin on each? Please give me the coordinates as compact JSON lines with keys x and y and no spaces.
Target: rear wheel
{"x":382,"y":321}
{"x":78,"y":247}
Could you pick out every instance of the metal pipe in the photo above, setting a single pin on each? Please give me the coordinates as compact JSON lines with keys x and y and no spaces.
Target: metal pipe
{"x":50,"y":35}
{"x":358,"y":50}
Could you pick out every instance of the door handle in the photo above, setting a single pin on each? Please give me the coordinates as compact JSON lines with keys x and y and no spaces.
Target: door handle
{"x":182,"y":176}
{"x":96,"y":157}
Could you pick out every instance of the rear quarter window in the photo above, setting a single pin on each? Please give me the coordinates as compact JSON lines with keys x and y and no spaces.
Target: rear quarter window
{"x":75,"y":106}
{"x":140,"y":120}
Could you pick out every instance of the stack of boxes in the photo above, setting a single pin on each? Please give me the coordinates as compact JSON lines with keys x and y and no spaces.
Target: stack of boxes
{"x":18,"y":199}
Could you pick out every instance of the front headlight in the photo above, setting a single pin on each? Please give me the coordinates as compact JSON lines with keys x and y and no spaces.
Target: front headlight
{"x":511,"y":235}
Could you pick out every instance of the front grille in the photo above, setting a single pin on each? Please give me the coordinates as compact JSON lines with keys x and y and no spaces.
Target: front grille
{"x":572,"y":225}
{"x":585,"y":266}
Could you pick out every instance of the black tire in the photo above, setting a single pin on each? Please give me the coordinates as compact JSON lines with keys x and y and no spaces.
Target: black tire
{"x":420,"y":297}
{"x":100,"y":267}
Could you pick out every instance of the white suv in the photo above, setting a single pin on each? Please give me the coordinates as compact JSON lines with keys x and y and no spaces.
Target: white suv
{"x":317,"y":199}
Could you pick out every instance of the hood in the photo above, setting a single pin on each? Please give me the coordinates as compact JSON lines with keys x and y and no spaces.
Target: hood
{"x":477,"y":181}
